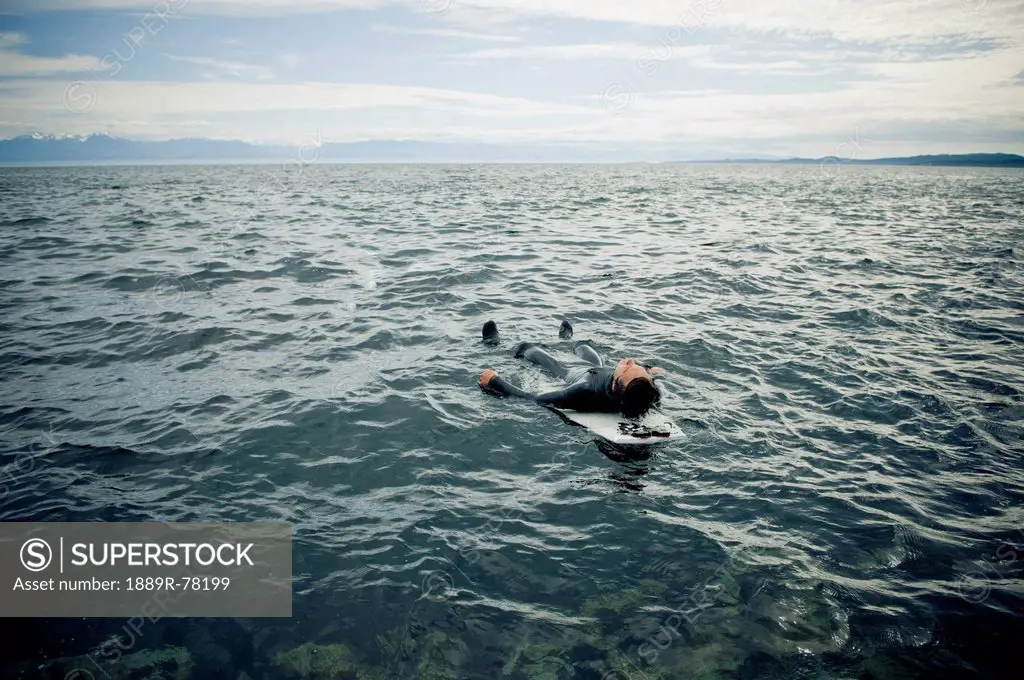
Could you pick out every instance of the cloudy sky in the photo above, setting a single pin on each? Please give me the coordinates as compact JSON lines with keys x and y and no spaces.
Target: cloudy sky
{"x":853,"y":78}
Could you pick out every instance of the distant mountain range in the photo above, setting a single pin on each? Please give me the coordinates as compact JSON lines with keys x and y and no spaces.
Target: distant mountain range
{"x":50,"y":149}
{"x":40,"y":149}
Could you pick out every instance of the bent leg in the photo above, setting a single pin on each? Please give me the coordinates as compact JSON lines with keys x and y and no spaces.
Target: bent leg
{"x":584,"y":350}
{"x":537,"y":355}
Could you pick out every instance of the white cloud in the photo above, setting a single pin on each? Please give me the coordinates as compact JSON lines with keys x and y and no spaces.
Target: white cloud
{"x":118,"y":102}
{"x":17,"y":64}
{"x":582,"y":51}
{"x":863,"y":20}
{"x":14,"y":63}
{"x":10,"y":39}
{"x":870,"y":20}
{"x":444,"y":33}
{"x":227,"y":7}
{"x":971,"y":91}
{"x":230,"y":68}
{"x":974,"y":92}
{"x":764,"y":58}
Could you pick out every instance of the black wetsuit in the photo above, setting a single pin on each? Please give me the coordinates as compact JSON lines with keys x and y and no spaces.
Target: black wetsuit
{"x":588,"y":389}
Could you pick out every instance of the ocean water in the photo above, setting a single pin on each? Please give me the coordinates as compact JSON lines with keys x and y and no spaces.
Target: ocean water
{"x":843,"y":345}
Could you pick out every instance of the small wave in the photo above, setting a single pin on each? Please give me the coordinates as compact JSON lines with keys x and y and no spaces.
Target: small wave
{"x":26,"y":222}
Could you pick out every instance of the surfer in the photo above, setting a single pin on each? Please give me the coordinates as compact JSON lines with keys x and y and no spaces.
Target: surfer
{"x":627,"y":388}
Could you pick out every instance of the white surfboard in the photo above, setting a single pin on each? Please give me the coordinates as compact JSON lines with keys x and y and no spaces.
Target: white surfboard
{"x":654,"y":428}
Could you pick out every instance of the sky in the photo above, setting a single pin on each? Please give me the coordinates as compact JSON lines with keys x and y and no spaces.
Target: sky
{"x":713,"y":78}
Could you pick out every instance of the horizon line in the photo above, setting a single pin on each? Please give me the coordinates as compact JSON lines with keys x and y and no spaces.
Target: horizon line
{"x":194,"y":162}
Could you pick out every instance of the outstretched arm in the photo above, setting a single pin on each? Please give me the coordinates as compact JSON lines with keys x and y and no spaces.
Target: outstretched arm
{"x":489,"y":380}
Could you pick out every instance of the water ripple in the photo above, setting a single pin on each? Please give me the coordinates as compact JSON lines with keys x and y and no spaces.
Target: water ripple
{"x":846,"y":354}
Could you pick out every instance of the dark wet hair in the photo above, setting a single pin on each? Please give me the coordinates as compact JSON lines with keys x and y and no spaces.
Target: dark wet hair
{"x":638,"y":397}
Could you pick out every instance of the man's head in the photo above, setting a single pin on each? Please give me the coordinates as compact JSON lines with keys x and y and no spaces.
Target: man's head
{"x":636,"y":388}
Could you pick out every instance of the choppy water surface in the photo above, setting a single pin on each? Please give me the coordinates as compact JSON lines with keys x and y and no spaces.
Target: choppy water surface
{"x":302,"y":343}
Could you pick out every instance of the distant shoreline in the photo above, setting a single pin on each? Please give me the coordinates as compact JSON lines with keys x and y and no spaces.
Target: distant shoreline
{"x":104,"y":150}
{"x":970,"y":160}
{"x":259,"y":162}
{"x":262,"y":163}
